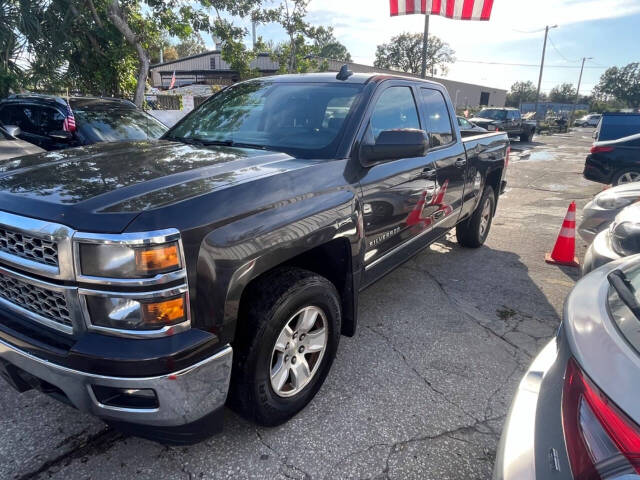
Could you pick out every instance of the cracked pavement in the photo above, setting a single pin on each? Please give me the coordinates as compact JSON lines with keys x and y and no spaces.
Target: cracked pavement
{"x":420,"y":392}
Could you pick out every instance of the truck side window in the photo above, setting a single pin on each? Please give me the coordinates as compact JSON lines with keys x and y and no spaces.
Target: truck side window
{"x":395,"y":109}
{"x":438,"y":120}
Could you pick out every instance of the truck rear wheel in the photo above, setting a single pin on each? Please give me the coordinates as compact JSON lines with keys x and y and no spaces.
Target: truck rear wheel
{"x":526,"y":137}
{"x":286,"y":343}
{"x":473,"y":232}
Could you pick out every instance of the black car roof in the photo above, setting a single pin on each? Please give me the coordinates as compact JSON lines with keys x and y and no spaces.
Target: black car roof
{"x":80,"y":103}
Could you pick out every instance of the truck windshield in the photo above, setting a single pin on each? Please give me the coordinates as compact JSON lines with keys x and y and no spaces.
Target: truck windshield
{"x":492,"y":113}
{"x":302,"y":119}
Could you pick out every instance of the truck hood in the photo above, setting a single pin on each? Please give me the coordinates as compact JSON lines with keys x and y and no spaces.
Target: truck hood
{"x":103,"y":187}
{"x":482,"y":121}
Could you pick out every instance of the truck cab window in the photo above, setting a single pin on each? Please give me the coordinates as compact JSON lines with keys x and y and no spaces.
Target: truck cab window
{"x":438,"y":121}
{"x":394,"y":109}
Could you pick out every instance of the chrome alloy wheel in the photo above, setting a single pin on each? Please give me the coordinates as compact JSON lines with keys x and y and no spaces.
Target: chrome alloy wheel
{"x":629,"y":177}
{"x":298,"y":351}
{"x":485,"y":217}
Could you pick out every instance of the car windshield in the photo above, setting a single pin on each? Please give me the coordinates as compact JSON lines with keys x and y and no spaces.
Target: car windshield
{"x":492,"y":113}
{"x":624,"y":301}
{"x":302,"y":119}
{"x":111,"y":125}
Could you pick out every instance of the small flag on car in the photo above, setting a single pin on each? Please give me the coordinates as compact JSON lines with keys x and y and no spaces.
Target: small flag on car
{"x":455,"y":9}
{"x":69,"y":123}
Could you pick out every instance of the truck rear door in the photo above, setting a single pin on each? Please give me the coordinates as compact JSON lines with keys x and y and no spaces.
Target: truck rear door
{"x":396,"y":194}
{"x":448,"y":155}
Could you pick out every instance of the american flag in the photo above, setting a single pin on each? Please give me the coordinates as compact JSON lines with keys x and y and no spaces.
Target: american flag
{"x":173,"y":80}
{"x":69,"y":124}
{"x":456,"y":9}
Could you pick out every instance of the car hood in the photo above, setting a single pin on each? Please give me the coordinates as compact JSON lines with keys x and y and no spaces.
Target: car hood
{"x":17,"y":148}
{"x":629,"y":214}
{"x":103,"y":187}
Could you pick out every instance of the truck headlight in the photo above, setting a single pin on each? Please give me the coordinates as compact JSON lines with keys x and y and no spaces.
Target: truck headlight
{"x":625,"y":238}
{"x":131,"y":312}
{"x":491,"y":127}
{"x":128,"y":261}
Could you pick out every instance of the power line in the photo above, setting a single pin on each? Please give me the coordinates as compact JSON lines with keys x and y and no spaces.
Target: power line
{"x":537,"y":65}
{"x":558,"y":52}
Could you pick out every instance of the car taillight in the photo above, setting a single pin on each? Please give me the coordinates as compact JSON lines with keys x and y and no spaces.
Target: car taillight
{"x":601,"y":149}
{"x":506,"y":159}
{"x":602,"y":442}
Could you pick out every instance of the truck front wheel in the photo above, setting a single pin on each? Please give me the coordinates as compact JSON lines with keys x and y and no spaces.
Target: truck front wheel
{"x":473,"y":232}
{"x":288,"y":335}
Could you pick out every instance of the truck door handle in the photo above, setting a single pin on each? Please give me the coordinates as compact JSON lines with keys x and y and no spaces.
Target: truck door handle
{"x":428,"y":173}
{"x":461,"y":162}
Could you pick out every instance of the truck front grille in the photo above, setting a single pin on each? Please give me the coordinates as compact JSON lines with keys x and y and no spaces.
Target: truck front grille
{"x":29,"y":247}
{"x":46,"y":303}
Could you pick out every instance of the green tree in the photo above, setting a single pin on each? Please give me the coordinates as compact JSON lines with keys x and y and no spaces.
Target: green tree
{"x":192,"y":45}
{"x":563,"y":93}
{"x":11,"y":46}
{"x":521,"y":92}
{"x":621,"y":84}
{"x":326,"y":45}
{"x":404,"y":52}
{"x":290,"y":14}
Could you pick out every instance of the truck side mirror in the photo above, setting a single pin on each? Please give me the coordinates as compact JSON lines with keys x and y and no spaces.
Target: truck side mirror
{"x":13,"y":130}
{"x":394,"y":144}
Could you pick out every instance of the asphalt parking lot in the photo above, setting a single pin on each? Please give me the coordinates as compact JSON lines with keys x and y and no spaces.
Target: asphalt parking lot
{"x":420,"y":392}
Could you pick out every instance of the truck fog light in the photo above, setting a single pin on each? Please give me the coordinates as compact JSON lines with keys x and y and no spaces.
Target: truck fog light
{"x":125,"y":397}
{"x":127,"y":313}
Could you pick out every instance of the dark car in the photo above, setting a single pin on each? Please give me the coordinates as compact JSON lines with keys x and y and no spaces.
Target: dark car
{"x":150,"y":283}
{"x":505,"y":120}
{"x":613,"y":126}
{"x":467,"y":128}
{"x":614,"y":162}
{"x":575,"y":415}
{"x":54,"y":123}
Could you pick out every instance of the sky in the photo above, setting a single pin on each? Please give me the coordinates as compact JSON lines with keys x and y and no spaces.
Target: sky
{"x":606,"y":30}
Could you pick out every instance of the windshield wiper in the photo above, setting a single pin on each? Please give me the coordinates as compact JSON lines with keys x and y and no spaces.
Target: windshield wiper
{"x":623,"y":286}
{"x":231,"y":143}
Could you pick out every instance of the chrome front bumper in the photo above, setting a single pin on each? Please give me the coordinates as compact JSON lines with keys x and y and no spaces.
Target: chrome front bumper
{"x":183,"y":397}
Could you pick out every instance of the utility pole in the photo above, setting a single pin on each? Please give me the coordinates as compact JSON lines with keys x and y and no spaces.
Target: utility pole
{"x":575,"y":101}
{"x":423,"y":71}
{"x":253,"y":33}
{"x":544,"y":49}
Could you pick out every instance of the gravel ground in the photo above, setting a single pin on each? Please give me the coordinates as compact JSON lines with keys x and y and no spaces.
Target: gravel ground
{"x":420,"y":392}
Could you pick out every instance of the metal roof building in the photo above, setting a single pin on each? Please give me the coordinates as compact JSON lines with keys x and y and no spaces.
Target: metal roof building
{"x":210,"y":68}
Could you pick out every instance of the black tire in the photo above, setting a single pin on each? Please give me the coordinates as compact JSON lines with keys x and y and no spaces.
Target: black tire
{"x":265,"y":310}
{"x":526,"y":137}
{"x":469,"y":232}
{"x":618,"y":177}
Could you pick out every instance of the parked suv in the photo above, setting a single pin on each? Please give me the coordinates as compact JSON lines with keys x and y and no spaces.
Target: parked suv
{"x":54,"y":123}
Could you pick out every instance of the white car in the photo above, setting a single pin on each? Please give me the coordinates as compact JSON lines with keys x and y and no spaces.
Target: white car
{"x":10,"y":146}
{"x":590,"y":120}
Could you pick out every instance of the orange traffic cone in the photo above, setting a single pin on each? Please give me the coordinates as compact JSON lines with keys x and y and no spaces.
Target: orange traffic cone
{"x":565,"y":248}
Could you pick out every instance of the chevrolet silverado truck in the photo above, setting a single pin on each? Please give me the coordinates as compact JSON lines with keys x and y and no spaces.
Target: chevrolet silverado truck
{"x":505,"y":120}
{"x":150,"y":283}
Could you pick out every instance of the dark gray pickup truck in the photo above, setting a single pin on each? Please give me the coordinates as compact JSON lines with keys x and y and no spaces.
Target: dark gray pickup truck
{"x":151,"y":283}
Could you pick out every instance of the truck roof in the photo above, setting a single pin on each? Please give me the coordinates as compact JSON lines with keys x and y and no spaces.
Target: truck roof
{"x":330,"y":77}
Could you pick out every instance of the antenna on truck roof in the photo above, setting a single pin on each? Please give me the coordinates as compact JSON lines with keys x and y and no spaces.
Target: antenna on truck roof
{"x":344,"y":73}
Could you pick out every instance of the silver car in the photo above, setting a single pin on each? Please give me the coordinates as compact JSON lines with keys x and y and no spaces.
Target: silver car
{"x":621,"y":239}
{"x":11,"y":147}
{"x":601,"y":211}
{"x":576,"y":413}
